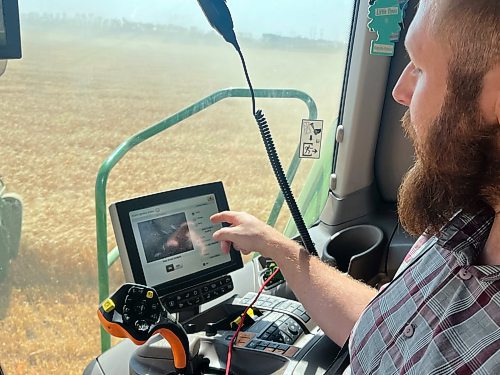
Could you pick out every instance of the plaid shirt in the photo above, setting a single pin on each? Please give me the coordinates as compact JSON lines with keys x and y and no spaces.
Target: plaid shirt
{"x":441,"y":315}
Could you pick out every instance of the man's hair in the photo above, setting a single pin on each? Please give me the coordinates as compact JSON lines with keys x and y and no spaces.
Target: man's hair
{"x":471,"y":28}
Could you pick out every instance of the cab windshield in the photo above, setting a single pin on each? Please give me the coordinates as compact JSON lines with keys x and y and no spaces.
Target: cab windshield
{"x":94,"y":74}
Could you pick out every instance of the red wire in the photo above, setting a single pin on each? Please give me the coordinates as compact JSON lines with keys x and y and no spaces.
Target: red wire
{"x":240,"y":325}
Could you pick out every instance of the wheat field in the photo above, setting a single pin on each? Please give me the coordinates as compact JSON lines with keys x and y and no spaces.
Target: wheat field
{"x":68,"y":104}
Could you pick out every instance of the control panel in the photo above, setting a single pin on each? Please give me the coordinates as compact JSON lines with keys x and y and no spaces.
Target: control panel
{"x":271,"y":332}
{"x":276,"y":304}
{"x":141,"y":308}
{"x":277,"y":334}
{"x":283,"y":329}
{"x":195,"y":296}
{"x":278,"y":326}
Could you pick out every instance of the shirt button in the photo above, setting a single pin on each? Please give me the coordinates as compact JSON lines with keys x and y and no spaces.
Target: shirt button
{"x":408,"y":331}
{"x":464,"y":274}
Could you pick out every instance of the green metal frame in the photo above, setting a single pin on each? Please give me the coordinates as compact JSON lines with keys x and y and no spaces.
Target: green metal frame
{"x":104,"y":258}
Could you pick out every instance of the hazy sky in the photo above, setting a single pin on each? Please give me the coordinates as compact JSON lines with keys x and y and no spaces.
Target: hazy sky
{"x":322,"y":19}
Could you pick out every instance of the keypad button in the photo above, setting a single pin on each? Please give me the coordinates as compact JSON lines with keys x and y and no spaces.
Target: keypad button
{"x":139,"y":309}
{"x":291,"y":351}
{"x":141,"y":325}
{"x":252,"y":345}
{"x":293,"y":329}
{"x":300,"y":309}
{"x":127,"y":318}
{"x":271,"y":329}
{"x":305,"y":317}
{"x":129,"y":299}
{"x":135,"y":292}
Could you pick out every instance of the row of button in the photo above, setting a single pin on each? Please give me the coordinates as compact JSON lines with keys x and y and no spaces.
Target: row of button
{"x":295,"y":308}
{"x":277,"y":303}
{"x":273,"y":347}
{"x":200,"y":294}
{"x":282,"y":330}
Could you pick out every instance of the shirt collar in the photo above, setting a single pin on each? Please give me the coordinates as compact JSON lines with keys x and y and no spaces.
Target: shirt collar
{"x":465,"y":236}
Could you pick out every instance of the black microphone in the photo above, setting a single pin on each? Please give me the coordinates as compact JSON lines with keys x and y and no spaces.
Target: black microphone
{"x":219,"y":17}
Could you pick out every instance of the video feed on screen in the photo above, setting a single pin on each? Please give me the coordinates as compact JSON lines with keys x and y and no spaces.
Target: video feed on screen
{"x":165,"y":236}
{"x":3,"y":34}
{"x":175,"y":239}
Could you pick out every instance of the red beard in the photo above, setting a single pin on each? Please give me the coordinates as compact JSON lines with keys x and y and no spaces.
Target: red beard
{"x":457,"y":167}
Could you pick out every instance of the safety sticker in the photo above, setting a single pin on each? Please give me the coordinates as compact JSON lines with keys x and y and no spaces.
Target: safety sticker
{"x":310,"y":139}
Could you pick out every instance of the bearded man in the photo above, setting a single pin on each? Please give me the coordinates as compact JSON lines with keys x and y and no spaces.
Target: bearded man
{"x":440,"y":314}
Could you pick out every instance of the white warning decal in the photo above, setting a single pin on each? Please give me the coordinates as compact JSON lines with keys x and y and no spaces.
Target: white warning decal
{"x":310,"y":139}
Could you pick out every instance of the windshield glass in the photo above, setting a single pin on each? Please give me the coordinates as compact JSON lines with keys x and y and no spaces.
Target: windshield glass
{"x":93,"y":74}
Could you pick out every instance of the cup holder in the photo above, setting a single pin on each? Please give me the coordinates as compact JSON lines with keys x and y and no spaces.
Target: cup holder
{"x":355,"y":250}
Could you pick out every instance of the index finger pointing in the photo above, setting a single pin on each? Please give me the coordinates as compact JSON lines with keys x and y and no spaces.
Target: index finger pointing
{"x":224,"y":216}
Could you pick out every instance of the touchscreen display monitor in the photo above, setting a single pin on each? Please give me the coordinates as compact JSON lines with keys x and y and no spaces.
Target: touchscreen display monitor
{"x":165,"y":239}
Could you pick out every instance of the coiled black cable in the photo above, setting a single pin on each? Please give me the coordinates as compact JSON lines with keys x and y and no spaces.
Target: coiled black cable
{"x":283,"y":183}
{"x":276,"y":165}
{"x":219,"y":17}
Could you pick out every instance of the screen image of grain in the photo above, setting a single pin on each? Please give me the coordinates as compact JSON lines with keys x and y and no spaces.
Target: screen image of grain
{"x":76,"y":94}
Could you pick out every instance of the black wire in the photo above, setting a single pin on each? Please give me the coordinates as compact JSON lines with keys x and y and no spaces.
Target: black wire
{"x":247,"y":77}
{"x":283,"y":183}
{"x":276,"y":165}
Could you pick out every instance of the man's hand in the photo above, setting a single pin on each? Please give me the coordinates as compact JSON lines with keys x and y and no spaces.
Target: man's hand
{"x":247,"y":233}
{"x":324,"y":291}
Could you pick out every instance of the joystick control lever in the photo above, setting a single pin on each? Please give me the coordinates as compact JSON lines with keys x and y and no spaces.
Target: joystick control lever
{"x":135,"y":312}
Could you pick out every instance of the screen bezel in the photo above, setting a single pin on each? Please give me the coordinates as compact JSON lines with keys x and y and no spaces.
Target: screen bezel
{"x":123,"y":210}
{"x":12,"y":50}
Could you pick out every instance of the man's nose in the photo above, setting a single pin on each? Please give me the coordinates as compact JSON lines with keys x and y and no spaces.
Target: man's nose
{"x":403,"y":91}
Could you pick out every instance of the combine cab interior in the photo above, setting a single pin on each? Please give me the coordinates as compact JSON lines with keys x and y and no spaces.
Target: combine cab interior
{"x":164,"y":132}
